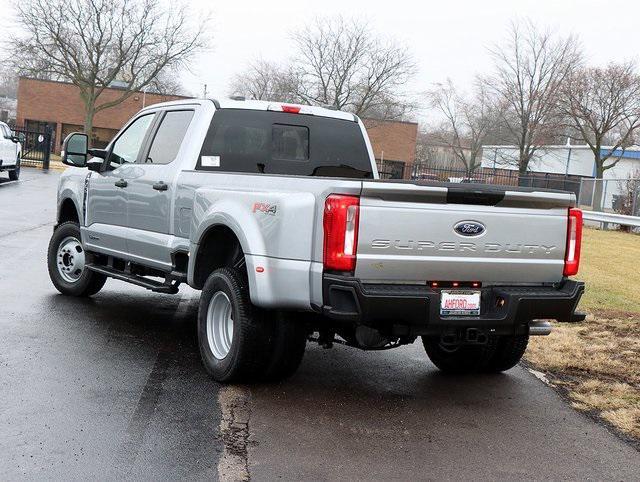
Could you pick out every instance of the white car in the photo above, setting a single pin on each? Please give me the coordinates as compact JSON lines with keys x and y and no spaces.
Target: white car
{"x":10,"y":151}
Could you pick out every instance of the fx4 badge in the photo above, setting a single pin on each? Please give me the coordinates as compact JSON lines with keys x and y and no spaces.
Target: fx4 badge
{"x":469,"y":228}
{"x":265,"y":208}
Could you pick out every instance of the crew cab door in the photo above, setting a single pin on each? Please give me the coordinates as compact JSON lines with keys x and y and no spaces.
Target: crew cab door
{"x":151,"y":190}
{"x":105,"y":227}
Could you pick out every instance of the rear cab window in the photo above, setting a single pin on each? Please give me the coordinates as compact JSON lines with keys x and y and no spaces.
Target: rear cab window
{"x":265,"y":142}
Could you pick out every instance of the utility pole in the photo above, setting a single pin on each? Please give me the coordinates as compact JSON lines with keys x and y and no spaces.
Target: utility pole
{"x":204,"y":96}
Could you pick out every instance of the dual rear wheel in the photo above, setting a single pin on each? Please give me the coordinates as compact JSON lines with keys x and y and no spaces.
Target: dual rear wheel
{"x":500,"y":353}
{"x":242,"y":343}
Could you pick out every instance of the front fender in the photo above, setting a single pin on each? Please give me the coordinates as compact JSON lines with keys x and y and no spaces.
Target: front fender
{"x":71,"y":186}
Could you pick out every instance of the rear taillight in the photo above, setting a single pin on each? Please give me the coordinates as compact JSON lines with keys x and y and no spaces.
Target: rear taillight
{"x":574,"y":240}
{"x":341,"y":232}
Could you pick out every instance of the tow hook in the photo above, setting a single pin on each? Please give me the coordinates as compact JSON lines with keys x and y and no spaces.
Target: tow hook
{"x":470,"y":336}
{"x":475,"y":336}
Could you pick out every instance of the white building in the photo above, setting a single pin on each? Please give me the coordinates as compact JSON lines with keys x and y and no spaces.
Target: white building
{"x":572,"y":160}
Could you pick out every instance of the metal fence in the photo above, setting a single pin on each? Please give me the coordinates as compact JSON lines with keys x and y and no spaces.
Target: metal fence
{"x":505,"y":177}
{"x":36,"y":144}
{"x":621,"y":196}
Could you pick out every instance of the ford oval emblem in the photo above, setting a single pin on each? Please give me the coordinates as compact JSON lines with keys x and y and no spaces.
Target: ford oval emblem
{"x":469,"y":228}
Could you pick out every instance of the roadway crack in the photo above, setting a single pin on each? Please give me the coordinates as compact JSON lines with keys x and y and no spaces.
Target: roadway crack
{"x":234,"y":428}
{"x":33,"y":228}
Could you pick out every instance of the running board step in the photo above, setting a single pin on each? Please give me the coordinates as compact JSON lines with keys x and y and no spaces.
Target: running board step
{"x":134,"y":279}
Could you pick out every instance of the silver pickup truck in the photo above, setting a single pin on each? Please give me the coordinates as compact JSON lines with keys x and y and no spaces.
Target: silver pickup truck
{"x":277,"y":214}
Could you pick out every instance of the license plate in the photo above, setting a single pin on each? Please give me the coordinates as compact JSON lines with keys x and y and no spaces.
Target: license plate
{"x":454,"y":303}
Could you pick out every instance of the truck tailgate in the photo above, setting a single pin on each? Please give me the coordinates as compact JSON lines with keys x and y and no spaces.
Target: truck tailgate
{"x":408,"y":233}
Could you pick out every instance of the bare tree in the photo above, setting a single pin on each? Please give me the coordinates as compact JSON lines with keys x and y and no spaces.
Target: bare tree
{"x":628,"y":200}
{"x":467,"y":124}
{"x":264,"y":80}
{"x":167,"y":82}
{"x":339,"y":63}
{"x":93,"y":43}
{"x":603,"y":106}
{"x":8,"y":81}
{"x":530,"y":69}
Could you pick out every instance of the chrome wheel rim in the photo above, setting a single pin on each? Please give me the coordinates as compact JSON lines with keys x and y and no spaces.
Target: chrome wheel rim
{"x":70,"y":259}
{"x":220,"y":325}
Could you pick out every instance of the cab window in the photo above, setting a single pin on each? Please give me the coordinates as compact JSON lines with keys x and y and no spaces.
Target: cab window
{"x":127,"y":146}
{"x":169,"y":137}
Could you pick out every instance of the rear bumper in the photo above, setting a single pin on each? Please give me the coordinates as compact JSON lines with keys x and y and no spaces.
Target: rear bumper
{"x":415,"y":309}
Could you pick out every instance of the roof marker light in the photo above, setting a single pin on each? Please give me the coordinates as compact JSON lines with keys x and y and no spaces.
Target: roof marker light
{"x":291,"y":109}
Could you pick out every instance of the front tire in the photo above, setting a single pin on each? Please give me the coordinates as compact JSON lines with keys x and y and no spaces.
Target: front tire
{"x":14,"y":174}
{"x":232,"y":334}
{"x":66,"y":260}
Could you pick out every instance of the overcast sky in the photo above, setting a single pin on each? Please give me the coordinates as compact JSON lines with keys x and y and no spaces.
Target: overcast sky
{"x":447,"y":38}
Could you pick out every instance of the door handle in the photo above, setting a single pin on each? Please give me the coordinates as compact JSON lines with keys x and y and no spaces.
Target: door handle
{"x":160,"y":186}
{"x":121,"y":183}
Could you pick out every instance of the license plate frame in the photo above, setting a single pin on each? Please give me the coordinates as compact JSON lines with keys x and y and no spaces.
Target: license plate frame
{"x":460,"y":302}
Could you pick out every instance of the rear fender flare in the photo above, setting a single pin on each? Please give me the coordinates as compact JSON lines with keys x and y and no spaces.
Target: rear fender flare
{"x":238,"y":220}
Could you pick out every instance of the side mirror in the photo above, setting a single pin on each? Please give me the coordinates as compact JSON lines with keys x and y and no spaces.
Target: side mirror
{"x":75,"y":149}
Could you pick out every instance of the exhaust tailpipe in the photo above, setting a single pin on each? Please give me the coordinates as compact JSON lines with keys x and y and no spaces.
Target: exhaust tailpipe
{"x":539,"y":328}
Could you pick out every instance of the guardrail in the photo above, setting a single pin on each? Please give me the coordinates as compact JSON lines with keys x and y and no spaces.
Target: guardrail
{"x":612,"y":218}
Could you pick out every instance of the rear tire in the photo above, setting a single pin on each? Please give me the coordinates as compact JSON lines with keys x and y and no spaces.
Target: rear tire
{"x":232,"y":334}
{"x":458,"y":359}
{"x":509,"y":351}
{"x":14,"y":174}
{"x":66,"y":262}
{"x":288,"y":343}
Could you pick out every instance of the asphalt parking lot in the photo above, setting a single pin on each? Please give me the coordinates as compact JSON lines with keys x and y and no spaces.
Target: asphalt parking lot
{"x":112,"y":387}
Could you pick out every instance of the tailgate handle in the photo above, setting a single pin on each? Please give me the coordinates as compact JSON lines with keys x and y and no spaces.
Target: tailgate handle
{"x":160,"y":186}
{"x":121,"y":183}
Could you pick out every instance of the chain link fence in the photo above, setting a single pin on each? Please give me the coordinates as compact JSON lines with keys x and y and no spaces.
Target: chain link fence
{"x":621,"y":196}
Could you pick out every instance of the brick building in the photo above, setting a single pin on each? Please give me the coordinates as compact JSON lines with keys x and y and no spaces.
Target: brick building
{"x":58,"y":104}
{"x":394,"y":146}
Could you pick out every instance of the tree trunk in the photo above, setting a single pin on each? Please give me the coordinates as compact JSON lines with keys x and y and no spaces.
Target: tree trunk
{"x":88,"y":120}
{"x":89,"y":100}
{"x":523,"y":164}
{"x":598,"y":188}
